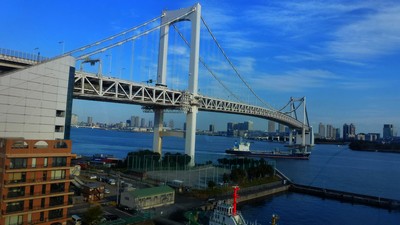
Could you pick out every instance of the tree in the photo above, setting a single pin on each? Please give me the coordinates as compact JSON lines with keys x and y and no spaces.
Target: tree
{"x":93,"y":215}
{"x":225,"y":177}
{"x":238,"y":175}
{"x":211,"y":184}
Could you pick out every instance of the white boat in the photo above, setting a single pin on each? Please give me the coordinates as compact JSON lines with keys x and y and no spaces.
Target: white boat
{"x":227,"y":214}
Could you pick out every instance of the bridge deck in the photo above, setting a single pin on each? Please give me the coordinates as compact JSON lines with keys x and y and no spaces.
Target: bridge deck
{"x":92,"y":87}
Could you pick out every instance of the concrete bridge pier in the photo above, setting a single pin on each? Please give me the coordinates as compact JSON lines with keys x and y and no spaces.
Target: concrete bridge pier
{"x":190,"y":137}
{"x":158,"y":128}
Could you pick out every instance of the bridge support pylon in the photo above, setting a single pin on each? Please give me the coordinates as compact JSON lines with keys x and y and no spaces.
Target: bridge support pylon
{"x":158,"y":127}
{"x":192,"y":14}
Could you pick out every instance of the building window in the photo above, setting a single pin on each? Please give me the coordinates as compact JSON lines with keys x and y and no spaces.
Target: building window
{"x":33,"y":162}
{"x":16,"y":192}
{"x":45,"y":162}
{"x":60,"y":113}
{"x":59,"y":200}
{"x":17,"y":177}
{"x":60,"y":144}
{"x":59,"y":128}
{"x":18,"y":163}
{"x":14,"y":220}
{"x":19,"y":145}
{"x":54,"y":214}
{"x":15,"y":206}
{"x":59,"y":187}
{"x":59,"y":161}
{"x":57,"y":174}
{"x":44,"y":175}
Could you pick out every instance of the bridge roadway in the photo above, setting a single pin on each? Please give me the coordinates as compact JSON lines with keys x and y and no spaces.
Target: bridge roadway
{"x":90,"y":86}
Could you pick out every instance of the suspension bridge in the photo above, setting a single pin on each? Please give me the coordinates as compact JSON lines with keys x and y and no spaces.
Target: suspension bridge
{"x":159,"y":95}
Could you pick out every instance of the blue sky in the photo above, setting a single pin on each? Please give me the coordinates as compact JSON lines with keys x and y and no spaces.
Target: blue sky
{"x":342,"y":55}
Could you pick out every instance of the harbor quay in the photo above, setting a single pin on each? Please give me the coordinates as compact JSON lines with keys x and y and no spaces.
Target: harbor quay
{"x":196,"y":178}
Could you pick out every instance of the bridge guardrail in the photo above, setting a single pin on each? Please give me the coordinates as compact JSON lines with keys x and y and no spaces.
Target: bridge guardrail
{"x":22,"y":55}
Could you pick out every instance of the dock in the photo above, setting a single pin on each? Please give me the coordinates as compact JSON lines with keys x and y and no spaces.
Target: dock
{"x":349,"y":197}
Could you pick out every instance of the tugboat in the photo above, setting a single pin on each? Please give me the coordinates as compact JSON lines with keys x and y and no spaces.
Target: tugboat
{"x":224,"y":213}
{"x":227,"y":214}
{"x":243,"y":149}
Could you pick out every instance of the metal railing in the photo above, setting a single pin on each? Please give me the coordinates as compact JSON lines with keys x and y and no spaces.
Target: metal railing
{"x":36,"y":194}
{"x":23,"y":55}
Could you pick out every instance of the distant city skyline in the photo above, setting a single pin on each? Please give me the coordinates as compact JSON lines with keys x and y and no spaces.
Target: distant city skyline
{"x":329,"y":130}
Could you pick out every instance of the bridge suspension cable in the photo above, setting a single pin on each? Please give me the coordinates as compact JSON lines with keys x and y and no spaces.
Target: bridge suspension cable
{"x":113,"y":36}
{"x":233,"y":67}
{"x":207,"y":67}
{"x":133,"y":37}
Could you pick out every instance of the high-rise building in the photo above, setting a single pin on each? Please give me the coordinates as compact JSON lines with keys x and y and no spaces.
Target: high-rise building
{"x":372,"y":136}
{"x":281,"y":128}
{"x":40,"y":110}
{"x":35,"y":181}
{"x":349,"y":131}
{"x":136,"y":121}
{"x":35,"y":168}
{"x":143,"y":122}
{"x":211,"y":128}
{"x":388,"y":131}
{"x":150,"y":124}
{"x":352,"y":130}
{"x":248,"y":125}
{"x":271,"y":126}
{"x":230,"y":129}
{"x":330,"y":132}
{"x":74,"y":119}
{"x":171,"y":124}
{"x":90,"y":121}
{"x":337,"y":133}
{"x":321,"y":130}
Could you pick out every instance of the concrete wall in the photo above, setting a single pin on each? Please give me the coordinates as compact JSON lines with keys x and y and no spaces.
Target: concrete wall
{"x":30,"y":99}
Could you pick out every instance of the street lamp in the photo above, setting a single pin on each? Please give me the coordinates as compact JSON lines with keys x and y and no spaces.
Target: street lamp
{"x":110,"y":57}
{"x":35,"y":58}
{"x":120,"y":72}
{"x":62,"y":44}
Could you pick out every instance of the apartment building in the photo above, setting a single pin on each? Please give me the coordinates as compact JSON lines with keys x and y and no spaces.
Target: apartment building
{"x":34,"y":181}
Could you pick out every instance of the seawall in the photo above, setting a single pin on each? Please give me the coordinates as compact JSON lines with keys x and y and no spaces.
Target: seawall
{"x":353,"y":198}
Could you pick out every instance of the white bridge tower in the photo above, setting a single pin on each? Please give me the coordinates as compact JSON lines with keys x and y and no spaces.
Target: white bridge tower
{"x":192,"y":14}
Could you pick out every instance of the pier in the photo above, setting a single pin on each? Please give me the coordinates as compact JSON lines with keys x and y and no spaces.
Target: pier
{"x":349,"y":197}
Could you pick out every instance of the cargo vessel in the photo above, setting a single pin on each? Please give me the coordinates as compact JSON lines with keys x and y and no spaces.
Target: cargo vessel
{"x":243,"y":149}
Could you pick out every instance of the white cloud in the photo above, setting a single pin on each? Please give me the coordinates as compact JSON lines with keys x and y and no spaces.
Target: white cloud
{"x":376,"y":35}
{"x":178,"y":50}
{"x":299,"y":57}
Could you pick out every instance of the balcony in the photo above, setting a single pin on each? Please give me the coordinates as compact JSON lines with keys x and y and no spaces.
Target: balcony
{"x":36,"y":195}
{"x":38,"y":180}
{"x":55,"y":214}
{"x":14,"y":208}
{"x":55,"y":201}
{"x":37,"y":166}
{"x":18,"y":209}
{"x":15,"y":194}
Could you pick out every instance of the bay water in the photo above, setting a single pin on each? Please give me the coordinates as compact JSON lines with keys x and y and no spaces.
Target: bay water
{"x":330,"y":166}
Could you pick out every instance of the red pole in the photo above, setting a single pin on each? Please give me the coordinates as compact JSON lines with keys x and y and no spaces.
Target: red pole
{"x":235,"y":197}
